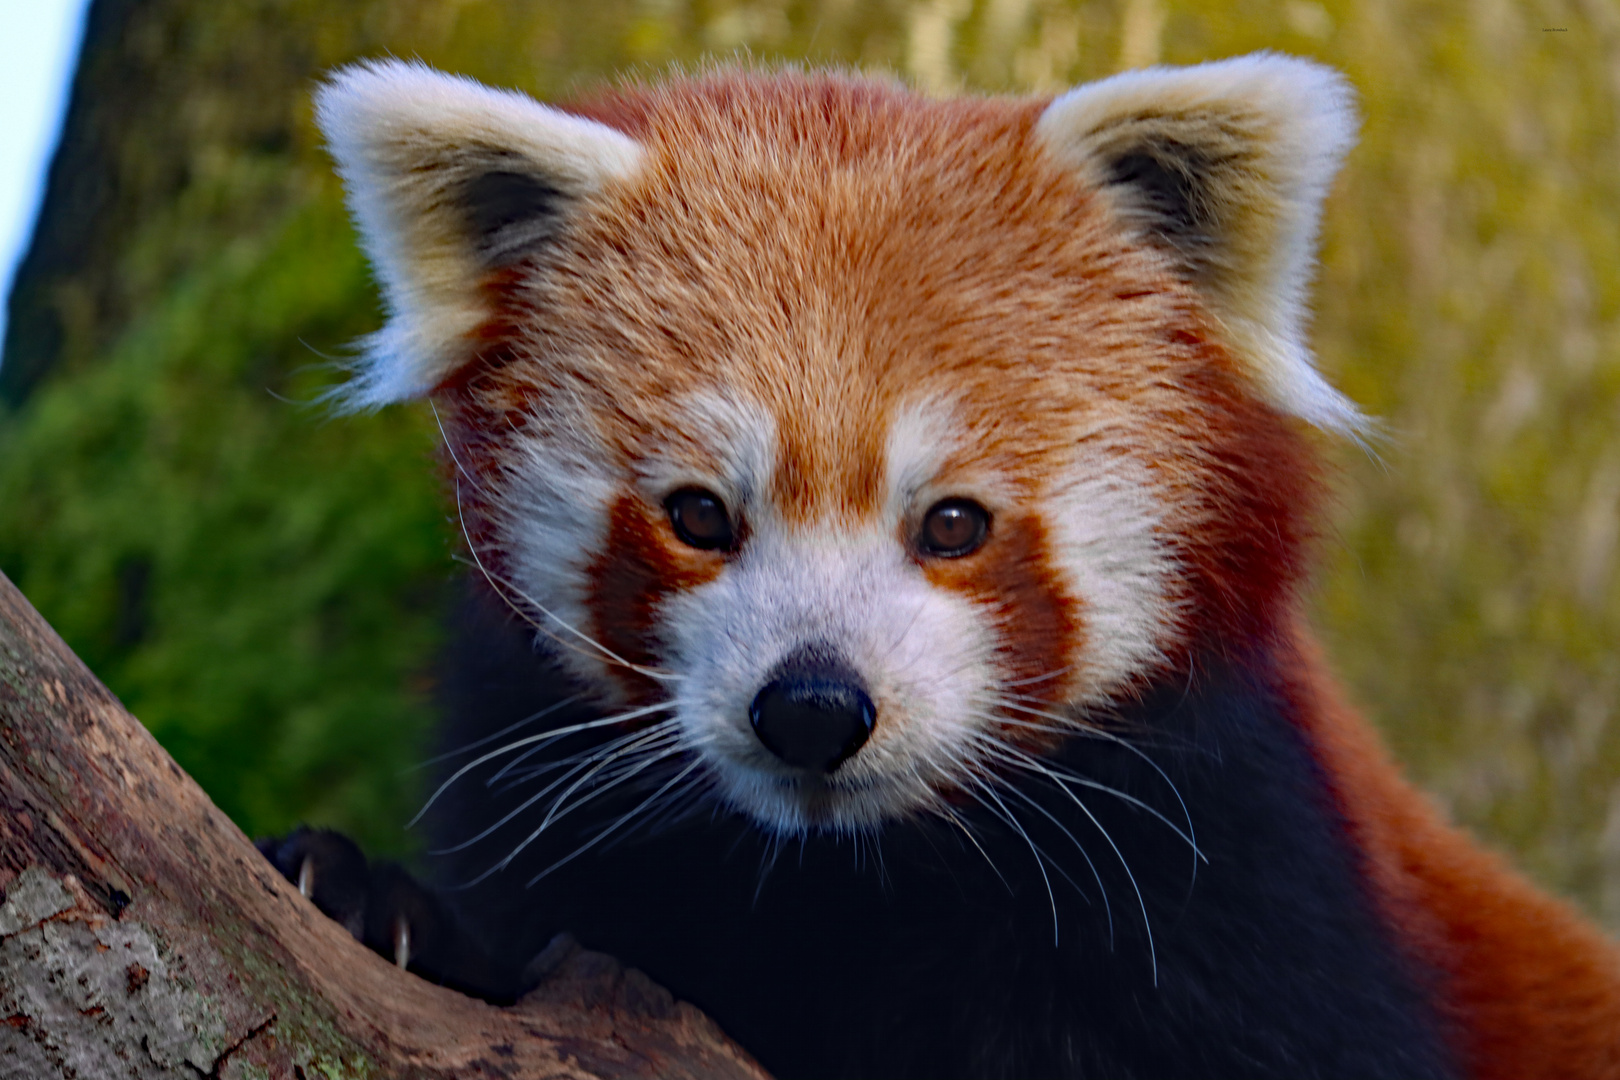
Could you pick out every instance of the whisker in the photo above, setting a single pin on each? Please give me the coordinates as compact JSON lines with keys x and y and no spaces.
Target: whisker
{"x":901,"y":637}
{"x":553,"y":814}
{"x":951,"y":673}
{"x":574,"y":767}
{"x":1147,"y":924}
{"x":1097,"y":719}
{"x":532,"y":771}
{"x":451,"y":450}
{"x":1054,"y":673}
{"x":557,"y":808}
{"x":1040,"y":863}
{"x":673,"y":807}
{"x":1018,"y":758}
{"x":503,"y":863}
{"x":1153,"y":957}
{"x":1109,"y":736}
{"x":589,"y":754}
{"x":543,"y":736}
{"x":549,"y":765}
{"x":606,"y":653}
{"x":609,"y":751}
{"x":884,"y":880}
{"x":677,"y":778}
{"x":472,"y":549}
{"x":955,"y":818}
{"x":767,"y":863}
{"x":502,"y":585}
{"x":501,"y":590}
{"x":1067,"y":726}
{"x":476,"y":743}
{"x":1102,"y":890}
{"x":1058,"y":726}
{"x":983,"y":779}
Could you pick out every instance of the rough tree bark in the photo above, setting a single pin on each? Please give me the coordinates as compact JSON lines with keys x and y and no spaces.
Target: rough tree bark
{"x":141,"y":935}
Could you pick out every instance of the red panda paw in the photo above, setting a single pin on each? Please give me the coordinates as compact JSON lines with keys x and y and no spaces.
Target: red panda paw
{"x":385,"y":908}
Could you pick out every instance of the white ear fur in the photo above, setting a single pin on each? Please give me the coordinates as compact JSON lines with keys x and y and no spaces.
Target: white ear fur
{"x":1227,"y":164}
{"x":409,"y":143}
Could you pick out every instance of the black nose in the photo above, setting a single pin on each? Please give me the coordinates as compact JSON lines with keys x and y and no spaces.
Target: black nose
{"x":814,"y":713}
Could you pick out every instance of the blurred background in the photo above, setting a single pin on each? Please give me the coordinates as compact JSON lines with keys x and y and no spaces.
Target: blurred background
{"x":265,"y":587}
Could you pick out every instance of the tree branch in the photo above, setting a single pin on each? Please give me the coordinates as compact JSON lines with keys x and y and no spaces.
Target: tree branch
{"x":141,"y":935}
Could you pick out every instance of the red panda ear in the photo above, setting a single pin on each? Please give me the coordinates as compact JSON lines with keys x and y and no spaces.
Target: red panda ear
{"x":448,"y":181}
{"x":1225,"y":166}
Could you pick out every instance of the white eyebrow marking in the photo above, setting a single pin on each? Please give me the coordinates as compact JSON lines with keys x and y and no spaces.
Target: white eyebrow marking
{"x":726,"y":442}
{"x":921,"y":436}
{"x":1105,"y":525}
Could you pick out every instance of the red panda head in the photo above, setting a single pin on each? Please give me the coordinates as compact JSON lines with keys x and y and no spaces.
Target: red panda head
{"x":868,"y":435}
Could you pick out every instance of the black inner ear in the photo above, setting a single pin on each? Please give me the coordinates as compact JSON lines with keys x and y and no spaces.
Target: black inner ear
{"x":1162,"y":179}
{"x":510,"y":212}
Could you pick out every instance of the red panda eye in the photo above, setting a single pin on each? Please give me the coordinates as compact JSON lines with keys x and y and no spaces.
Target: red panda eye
{"x":700,"y":519}
{"x":954,"y":527}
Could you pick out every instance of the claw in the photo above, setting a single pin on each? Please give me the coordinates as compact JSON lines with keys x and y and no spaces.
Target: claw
{"x":402,"y":942}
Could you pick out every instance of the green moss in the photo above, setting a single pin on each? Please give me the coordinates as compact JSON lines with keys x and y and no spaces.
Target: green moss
{"x":260,"y":585}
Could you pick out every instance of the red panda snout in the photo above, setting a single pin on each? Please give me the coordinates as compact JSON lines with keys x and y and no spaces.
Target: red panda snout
{"x":824,"y":681}
{"x":815,"y":712}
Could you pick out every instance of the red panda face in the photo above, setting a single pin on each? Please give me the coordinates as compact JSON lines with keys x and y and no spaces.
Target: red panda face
{"x":876,"y":440}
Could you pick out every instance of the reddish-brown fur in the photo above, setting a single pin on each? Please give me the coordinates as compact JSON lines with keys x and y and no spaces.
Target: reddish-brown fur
{"x":1531,"y":987}
{"x":830,"y":247}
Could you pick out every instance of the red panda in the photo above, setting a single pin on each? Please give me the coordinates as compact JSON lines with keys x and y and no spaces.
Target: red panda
{"x":902,"y":505}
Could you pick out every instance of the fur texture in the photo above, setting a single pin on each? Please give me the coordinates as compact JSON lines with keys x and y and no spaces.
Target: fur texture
{"x":1110,"y":818}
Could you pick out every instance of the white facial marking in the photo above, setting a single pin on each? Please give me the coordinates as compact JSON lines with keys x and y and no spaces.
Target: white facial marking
{"x":923,"y":434}
{"x":554,"y":523}
{"x":724,"y":443}
{"x":923,"y":654}
{"x":1104,"y":525}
